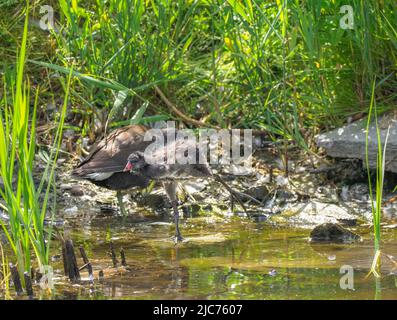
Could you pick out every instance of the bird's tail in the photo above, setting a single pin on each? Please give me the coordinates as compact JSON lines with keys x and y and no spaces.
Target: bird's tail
{"x":233,"y":193}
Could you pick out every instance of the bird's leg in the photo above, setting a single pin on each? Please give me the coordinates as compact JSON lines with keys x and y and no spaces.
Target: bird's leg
{"x":121,"y":203}
{"x":178,"y":236}
{"x":170,"y":189}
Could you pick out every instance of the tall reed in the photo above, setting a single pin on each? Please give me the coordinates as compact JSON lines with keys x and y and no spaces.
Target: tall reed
{"x":26,"y":204}
{"x":376,"y":201}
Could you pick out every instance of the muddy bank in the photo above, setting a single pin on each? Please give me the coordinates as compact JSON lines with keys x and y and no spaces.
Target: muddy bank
{"x":314,"y":192}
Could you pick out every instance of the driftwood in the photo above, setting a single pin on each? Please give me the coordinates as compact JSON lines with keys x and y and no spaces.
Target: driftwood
{"x":70,"y":267}
{"x":28,"y":285}
{"x":70,"y":262}
{"x":122,"y":255}
{"x":113,"y":255}
{"x":16,"y":279}
{"x":73,"y":271}
{"x":87,"y":263}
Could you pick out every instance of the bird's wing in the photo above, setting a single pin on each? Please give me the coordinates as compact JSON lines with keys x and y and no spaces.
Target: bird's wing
{"x":111,"y":153}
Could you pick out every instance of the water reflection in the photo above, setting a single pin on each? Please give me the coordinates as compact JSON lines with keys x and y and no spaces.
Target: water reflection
{"x":234,"y":259}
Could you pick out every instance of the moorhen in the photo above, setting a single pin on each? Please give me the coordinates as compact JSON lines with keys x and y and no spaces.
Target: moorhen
{"x":106,"y":161}
{"x":156,"y":167}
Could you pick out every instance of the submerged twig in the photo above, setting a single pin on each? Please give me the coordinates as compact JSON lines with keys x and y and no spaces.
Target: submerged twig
{"x":28,"y":285}
{"x":122,"y":255}
{"x":70,"y":263}
{"x":87,"y":263}
{"x":113,"y":255}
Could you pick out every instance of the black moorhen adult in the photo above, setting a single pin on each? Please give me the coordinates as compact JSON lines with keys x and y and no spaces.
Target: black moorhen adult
{"x":155,"y":166}
{"x":106,"y":161}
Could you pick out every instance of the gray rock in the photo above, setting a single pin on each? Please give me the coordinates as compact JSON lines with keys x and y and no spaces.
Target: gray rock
{"x":349,"y":141}
{"x":71,"y":211}
{"x":259,"y":193}
{"x":332,"y":232}
{"x":196,"y":186}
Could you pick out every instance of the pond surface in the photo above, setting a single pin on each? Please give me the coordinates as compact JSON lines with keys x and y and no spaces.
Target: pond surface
{"x":222,"y":259}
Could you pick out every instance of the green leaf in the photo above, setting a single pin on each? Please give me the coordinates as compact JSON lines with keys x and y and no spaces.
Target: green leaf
{"x":239,"y":8}
{"x":139,"y":113}
{"x":118,"y":103}
{"x":106,"y":83}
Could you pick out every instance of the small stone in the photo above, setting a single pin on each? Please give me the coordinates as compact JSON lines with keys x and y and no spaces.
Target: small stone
{"x":193,"y":187}
{"x":56,"y":257}
{"x":332,"y":232}
{"x":238,"y":170}
{"x":71,"y":210}
{"x":259,"y":193}
{"x":272,"y":273}
{"x":76,"y":191}
{"x":281,"y":181}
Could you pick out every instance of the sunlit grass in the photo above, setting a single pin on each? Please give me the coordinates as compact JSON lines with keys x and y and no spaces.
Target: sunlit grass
{"x":26,"y":204}
{"x":281,"y":66}
{"x":4,"y":275}
{"x":376,"y":200}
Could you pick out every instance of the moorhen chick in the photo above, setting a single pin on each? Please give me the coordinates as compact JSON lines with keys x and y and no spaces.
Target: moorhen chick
{"x":106,"y":161}
{"x":156,"y":167}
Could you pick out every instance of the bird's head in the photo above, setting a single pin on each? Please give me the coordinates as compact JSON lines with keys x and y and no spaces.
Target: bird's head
{"x":135,"y":161}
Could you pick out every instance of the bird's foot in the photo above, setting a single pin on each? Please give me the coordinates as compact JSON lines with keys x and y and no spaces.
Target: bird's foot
{"x":178,"y":238}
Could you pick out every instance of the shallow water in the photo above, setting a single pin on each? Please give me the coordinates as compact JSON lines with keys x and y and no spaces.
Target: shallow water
{"x":223,"y":259}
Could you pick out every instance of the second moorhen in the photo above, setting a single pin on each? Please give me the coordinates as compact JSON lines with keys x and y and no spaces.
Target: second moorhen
{"x":156,"y":166}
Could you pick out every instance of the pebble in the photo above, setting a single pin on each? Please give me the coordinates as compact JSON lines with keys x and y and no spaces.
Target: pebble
{"x":272,"y":273}
{"x":76,"y":191}
{"x":71,"y":210}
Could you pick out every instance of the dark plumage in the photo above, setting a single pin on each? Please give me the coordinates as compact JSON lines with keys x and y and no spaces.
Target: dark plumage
{"x":118,"y":163}
{"x":155,"y":166}
{"x":106,"y":161}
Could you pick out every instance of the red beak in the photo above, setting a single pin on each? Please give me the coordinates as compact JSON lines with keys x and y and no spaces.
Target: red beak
{"x":128,"y":167}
